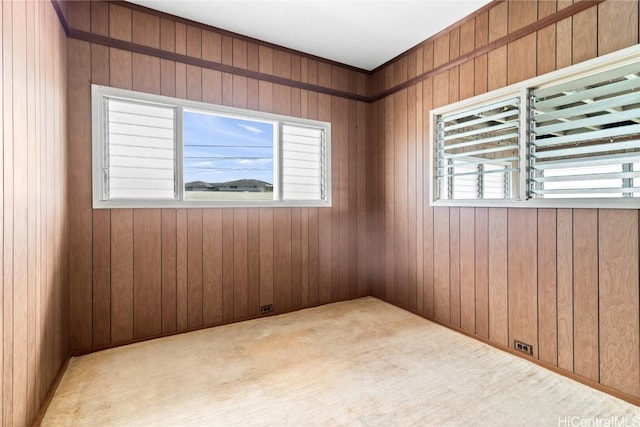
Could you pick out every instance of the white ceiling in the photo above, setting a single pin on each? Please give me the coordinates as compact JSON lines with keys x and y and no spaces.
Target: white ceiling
{"x":360,"y":33}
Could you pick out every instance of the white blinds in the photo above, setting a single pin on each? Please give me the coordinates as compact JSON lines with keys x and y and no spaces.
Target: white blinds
{"x":140,"y":150}
{"x":477,"y":151}
{"x":585,"y":136}
{"x":303,"y":174}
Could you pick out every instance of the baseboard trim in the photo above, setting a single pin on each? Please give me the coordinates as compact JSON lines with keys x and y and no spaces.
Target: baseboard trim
{"x":585,"y":381}
{"x":52,"y":390}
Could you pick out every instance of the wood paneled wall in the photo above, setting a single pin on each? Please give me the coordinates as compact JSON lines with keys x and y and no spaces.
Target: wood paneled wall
{"x":33,"y":217}
{"x":137,"y":274}
{"x":564,"y":280}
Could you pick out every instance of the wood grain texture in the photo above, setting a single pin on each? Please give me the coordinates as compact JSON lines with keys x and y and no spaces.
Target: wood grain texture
{"x":547,"y":287}
{"x":467,"y":270}
{"x":618,"y":259}
{"x":585,"y":292}
{"x":101,"y":309}
{"x":454,"y":264}
{"x":617,"y":25}
{"x":585,"y":34}
{"x":194,"y":268}
{"x":564,"y":268}
{"x":481,"y":253}
{"x":121,"y":275}
{"x":498,"y":281}
{"x":441,"y":270}
{"x":147,"y":277}
{"x":523,"y":277}
{"x":212,"y":266}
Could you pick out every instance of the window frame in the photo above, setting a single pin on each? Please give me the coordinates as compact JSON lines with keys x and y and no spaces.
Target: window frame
{"x":522,"y":89}
{"x":98,"y":145}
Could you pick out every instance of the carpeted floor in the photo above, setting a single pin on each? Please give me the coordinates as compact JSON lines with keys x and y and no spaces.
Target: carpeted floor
{"x":361,"y":362}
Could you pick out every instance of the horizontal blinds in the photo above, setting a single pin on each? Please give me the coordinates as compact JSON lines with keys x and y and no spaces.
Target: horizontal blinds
{"x":585,"y":136}
{"x":477,"y":151}
{"x":140,"y":150}
{"x":303,"y":174}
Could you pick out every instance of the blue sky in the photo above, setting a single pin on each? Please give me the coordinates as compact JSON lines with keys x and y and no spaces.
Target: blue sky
{"x":221,"y":149}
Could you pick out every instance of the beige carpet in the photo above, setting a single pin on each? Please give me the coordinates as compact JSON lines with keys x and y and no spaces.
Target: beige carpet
{"x":362,"y":362}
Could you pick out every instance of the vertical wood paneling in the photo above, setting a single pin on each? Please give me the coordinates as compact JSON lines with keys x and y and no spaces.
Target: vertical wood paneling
{"x":282,"y":259}
{"x":617,"y":25}
{"x":8,"y":236}
{"x":467,"y":270}
{"x":547,"y":287}
{"x":101,"y":278}
{"x":389,"y":197}
{"x":401,"y":200}
{"x":585,"y":35}
{"x":194,"y":268}
{"x":585,"y":292}
{"x":169,"y":270}
{"x":482,"y":272}
{"x":565,"y":288}
{"x":80,"y":235}
{"x":181,"y":269}
{"x":212,"y":266}
{"x":121,"y":275}
{"x":618,"y":259}
{"x":240,"y":264}
{"x":412,"y":241}
{"x":227,"y":265}
{"x":296,"y":258}
{"x":147,"y":280}
{"x":266,"y":256}
{"x":34,"y":295}
{"x":498,"y":310}
{"x":420,"y":199}
{"x":253,"y":260}
{"x":523,"y":276}
{"x":20,"y":211}
{"x":428,"y":229}
{"x":441,"y":270}
{"x":454,"y":264}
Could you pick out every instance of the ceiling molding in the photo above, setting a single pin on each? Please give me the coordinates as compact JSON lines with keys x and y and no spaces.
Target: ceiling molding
{"x":146,"y":50}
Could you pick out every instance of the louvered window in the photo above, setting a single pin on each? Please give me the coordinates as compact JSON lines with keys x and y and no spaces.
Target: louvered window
{"x":155,"y":151}
{"x":303,"y":173}
{"x":585,"y":140}
{"x":478,"y":151}
{"x":140,"y":150}
{"x":567,"y":139}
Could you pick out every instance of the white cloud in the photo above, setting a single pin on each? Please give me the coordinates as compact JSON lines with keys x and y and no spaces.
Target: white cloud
{"x":251,"y":129}
{"x":253,"y":161}
{"x":200,"y":164}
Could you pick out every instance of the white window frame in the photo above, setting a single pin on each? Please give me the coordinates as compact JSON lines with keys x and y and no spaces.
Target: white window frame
{"x":99,"y":93}
{"x":619,"y":58}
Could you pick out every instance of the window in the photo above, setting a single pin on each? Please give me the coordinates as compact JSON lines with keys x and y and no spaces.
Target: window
{"x":154,"y":151}
{"x":586,"y":136}
{"x":570,"y":138}
{"x":478,"y":151}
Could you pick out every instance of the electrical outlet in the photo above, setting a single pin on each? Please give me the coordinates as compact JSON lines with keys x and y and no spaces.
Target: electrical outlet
{"x":266,"y":309}
{"x":523,"y":347}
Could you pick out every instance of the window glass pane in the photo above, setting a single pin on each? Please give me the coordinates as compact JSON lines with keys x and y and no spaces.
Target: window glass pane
{"x":302,"y":172}
{"x":586,"y":136}
{"x":140,"y":152}
{"x":478,"y":151}
{"x":227,"y":158}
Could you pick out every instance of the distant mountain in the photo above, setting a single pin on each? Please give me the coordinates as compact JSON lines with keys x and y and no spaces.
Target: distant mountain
{"x":237,"y":185}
